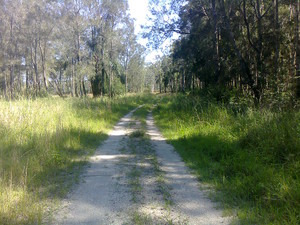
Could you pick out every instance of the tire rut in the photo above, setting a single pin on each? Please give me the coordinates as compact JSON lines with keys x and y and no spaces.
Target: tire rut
{"x":135,"y":177}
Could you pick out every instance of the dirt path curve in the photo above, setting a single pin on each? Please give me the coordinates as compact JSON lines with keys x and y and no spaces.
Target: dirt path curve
{"x":137,"y":181}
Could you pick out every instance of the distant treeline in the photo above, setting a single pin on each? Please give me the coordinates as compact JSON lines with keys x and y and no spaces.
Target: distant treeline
{"x":69,"y":47}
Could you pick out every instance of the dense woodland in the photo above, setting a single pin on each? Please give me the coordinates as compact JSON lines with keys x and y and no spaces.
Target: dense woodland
{"x":247,"y":47}
{"x":70,"y":47}
{"x":233,"y":48}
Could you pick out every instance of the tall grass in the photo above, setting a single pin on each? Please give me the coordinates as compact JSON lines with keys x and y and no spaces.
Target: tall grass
{"x":44,"y":145}
{"x":251,"y":157}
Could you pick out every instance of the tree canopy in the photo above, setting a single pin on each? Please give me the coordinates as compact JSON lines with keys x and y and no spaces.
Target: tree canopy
{"x":68,"y":47}
{"x":251,"y":47}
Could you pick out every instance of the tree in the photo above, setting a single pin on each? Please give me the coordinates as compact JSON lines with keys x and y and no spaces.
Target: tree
{"x":65,"y":47}
{"x":228,"y":45}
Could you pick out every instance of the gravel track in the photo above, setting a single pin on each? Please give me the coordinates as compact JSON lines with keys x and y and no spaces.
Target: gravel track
{"x":137,"y":181}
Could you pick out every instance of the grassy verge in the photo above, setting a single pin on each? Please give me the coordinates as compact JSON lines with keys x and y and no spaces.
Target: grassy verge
{"x":44,"y":145}
{"x":250,"y":157}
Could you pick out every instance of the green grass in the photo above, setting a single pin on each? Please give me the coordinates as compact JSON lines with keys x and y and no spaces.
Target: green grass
{"x":134,"y":182}
{"x":44,"y":145}
{"x":141,"y":113}
{"x":250,"y":157}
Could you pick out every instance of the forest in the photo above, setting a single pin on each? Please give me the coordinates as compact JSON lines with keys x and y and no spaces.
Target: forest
{"x":225,"y":93}
{"x":249,"y":48}
{"x":74,"y":48}
{"x":68,"y":48}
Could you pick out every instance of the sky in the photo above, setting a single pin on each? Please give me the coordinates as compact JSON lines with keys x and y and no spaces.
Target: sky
{"x":139,"y":10}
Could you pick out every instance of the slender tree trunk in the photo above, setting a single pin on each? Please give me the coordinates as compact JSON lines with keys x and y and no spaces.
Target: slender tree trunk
{"x":96,"y":80}
{"x":11,"y":59}
{"x":111,"y":83}
{"x":126,"y":82}
{"x":73,"y":79}
{"x":215,"y":41}
{"x":35,"y":66}
{"x":26,"y":72}
{"x":193,"y":81}
{"x":182,"y":81}
{"x":11,"y":80}
{"x":80,"y":90}
{"x":260,"y":81}
{"x":5,"y":86}
{"x":159,"y":77}
{"x":297,"y":48}
{"x":102,"y":69}
{"x":20,"y":80}
{"x":83,"y":87}
{"x":292,"y":48}
{"x":277,"y":41}
{"x":76,"y":88}
{"x":43,"y":58}
{"x":111,"y":71}
{"x":243,"y":63}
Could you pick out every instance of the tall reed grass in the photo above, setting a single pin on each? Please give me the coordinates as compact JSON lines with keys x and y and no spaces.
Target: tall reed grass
{"x":44,"y":145}
{"x":251,"y":157}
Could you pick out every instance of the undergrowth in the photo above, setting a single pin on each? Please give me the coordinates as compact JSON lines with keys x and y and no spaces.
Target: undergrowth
{"x":44,"y":145}
{"x":251,"y":157}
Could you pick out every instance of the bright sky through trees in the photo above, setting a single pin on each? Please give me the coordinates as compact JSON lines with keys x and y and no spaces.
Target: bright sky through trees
{"x":139,"y":11}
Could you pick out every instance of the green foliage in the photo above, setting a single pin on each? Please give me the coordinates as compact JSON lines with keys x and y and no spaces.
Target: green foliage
{"x":118,"y":87}
{"x":138,"y":134}
{"x":44,"y":145}
{"x":250,"y":156}
{"x":252,"y":46}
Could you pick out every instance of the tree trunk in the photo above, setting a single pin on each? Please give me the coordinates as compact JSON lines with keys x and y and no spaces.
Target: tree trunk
{"x":193,"y":81}
{"x":245,"y":69}
{"x":182,"y":81}
{"x":43,"y":58}
{"x":277,"y":41}
{"x":297,"y":48}
{"x":126,"y":88}
{"x":102,"y":70}
{"x":73,"y":79}
{"x":35,"y":66}
{"x":215,"y":42}
{"x":260,"y":82}
{"x":83,"y":87}
{"x":159,"y":77}
{"x":5,"y":86}
{"x":111,"y":71}
{"x":11,"y":80}
{"x":96,"y":80}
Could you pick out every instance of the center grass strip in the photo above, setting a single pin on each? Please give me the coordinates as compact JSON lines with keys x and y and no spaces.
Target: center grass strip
{"x":140,"y":146}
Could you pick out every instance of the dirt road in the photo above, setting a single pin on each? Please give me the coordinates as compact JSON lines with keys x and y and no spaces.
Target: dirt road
{"x":135,"y":177}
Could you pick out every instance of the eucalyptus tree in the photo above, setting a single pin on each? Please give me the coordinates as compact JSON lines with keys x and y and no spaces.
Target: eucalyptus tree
{"x":129,"y":47}
{"x":74,"y":24}
{"x":11,"y":24}
{"x":26,"y":31}
{"x":252,"y":46}
{"x":149,"y":82}
{"x":132,"y":58}
{"x":107,"y":20}
{"x":67,"y":47}
{"x":135,"y":73}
